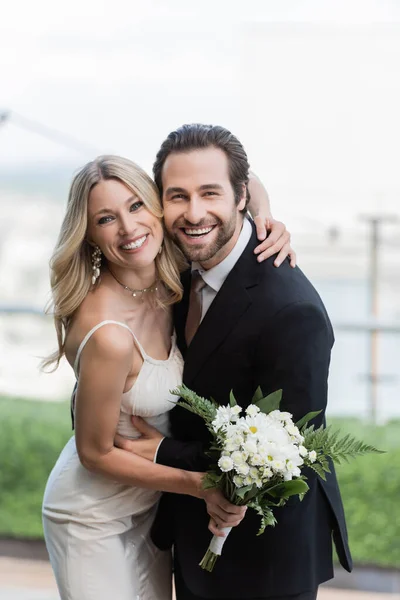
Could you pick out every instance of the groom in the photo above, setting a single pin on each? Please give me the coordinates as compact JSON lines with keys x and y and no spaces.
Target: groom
{"x":241,"y":324}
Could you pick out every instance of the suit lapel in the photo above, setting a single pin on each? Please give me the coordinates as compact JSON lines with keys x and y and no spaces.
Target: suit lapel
{"x":231,"y":302}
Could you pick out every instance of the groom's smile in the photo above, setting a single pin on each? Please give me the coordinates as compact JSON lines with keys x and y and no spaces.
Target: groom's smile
{"x":200,"y":211}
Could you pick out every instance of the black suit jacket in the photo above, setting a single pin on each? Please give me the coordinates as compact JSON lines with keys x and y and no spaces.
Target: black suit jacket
{"x":266,"y":327}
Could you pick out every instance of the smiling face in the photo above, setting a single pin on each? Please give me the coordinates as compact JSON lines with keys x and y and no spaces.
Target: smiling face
{"x":127,"y":233}
{"x":200,"y":212}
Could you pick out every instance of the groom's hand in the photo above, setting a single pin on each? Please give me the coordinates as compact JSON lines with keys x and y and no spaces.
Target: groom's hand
{"x":145,"y":446}
{"x":222,"y":512}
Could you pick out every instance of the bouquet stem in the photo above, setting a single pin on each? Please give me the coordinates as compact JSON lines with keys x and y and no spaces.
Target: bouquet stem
{"x":214,"y":550}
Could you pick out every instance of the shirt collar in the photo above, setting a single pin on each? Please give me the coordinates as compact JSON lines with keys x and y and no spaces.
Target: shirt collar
{"x":216,"y":276}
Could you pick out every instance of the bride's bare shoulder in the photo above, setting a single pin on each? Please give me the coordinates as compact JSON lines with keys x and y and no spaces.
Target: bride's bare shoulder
{"x":95,"y":309}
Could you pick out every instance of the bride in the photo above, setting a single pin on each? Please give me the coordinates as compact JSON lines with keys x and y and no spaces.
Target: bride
{"x":114,"y":277}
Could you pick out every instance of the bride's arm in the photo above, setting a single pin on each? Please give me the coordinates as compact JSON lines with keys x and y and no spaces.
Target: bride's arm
{"x":259,"y":203}
{"x":278,"y":241}
{"x":105,"y":365}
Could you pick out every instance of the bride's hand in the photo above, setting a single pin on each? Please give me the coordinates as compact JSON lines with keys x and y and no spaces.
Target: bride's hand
{"x":145,"y":446}
{"x":277,"y":241}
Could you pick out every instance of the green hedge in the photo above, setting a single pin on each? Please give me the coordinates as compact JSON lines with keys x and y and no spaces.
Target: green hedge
{"x":33,"y":433}
{"x":370,"y":489}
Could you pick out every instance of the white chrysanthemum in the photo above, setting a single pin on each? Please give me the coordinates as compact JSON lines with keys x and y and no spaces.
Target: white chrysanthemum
{"x":223,"y":417}
{"x":267,"y":473}
{"x":248,"y":481}
{"x":292,"y":430}
{"x":278,"y":465}
{"x":236,"y":410}
{"x":242,"y":469}
{"x":277,"y":433}
{"x":303,"y":451}
{"x":255,"y":426}
{"x":257,"y":460}
{"x":289,"y":465}
{"x":269,"y":452}
{"x":225,"y":463}
{"x":250,"y":446}
{"x":230,"y":445}
{"x":238,"y":481}
{"x":254,"y":473}
{"x":280,"y":415}
{"x":252,"y":410}
{"x":234,"y":432}
{"x":312,"y":456}
{"x":239,"y":458}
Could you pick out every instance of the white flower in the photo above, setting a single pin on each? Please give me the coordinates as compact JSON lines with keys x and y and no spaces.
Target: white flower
{"x":267,"y":473}
{"x":289,"y":465}
{"x":253,"y":473}
{"x":250,"y":446}
{"x":239,"y":458}
{"x":242,"y":469}
{"x":280,"y":415}
{"x":248,"y":481}
{"x":252,"y":410}
{"x":238,"y":481}
{"x":224,"y":416}
{"x":312,"y":456}
{"x":236,"y":410}
{"x":258,"y":483}
{"x":292,"y":430}
{"x":257,"y":460}
{"x":234,"y":432}
{"x":278,"y":465}
{"x":230,"y":445}
{"x":303,"y":451}
{"x":225,"y":463}
{"x":255,"y":426}
{"x":287,"y":477}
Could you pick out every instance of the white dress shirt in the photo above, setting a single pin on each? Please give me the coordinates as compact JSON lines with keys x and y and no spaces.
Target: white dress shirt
{"x":215,"y":277}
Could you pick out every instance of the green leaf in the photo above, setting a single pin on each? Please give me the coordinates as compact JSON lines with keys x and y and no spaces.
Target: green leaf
{"x":258,"y":395}
{"x":288,"y":488}
{"x":241,"y":492}
{"x":232,"y":399}
{"x":270,"y":402}
{"x":211,"y":480}
{"x":304,"y":420}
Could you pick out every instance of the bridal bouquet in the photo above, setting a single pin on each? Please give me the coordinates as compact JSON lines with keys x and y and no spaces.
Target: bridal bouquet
{"x":260,"y":453}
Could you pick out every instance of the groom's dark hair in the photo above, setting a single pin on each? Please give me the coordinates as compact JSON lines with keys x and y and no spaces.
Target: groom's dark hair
{"x":196,"y":137}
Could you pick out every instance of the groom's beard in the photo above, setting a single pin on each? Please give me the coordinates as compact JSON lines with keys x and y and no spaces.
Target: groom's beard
{"x":205,"y":250}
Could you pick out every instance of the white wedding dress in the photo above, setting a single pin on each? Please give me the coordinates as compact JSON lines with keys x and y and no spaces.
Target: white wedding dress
{"x":97,"y":530}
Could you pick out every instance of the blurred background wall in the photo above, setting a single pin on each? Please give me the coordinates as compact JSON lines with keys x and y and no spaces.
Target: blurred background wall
{"x":313,"y":91}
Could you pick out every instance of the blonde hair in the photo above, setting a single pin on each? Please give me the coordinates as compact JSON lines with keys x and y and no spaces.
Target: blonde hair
{"x":71,"y":263}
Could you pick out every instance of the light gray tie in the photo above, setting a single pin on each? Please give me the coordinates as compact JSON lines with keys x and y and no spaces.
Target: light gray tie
{"x":195,"y":306}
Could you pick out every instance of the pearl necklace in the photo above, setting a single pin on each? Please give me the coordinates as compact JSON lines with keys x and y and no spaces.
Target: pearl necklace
{"x":151,"y":289}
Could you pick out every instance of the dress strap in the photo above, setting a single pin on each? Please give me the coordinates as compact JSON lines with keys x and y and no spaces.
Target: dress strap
{"x":92,"y":331}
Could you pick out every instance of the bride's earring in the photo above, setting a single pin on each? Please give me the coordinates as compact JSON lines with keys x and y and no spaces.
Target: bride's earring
{"x":96,"y":264}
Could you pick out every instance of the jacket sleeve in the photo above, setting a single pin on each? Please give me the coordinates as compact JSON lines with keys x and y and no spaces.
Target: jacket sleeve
{"x":183,"y":455}
{"x":298,"y":346}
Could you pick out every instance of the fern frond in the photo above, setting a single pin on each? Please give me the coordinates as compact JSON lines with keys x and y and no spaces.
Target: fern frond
{"x":206,"y":409}
{"x":265,"y":512}
{"x":329,"y":444}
